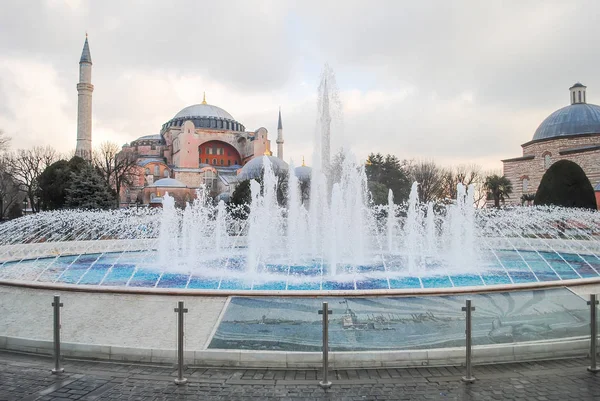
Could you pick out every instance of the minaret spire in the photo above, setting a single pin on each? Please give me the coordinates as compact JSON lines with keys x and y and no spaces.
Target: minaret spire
{"x":84,"y":104}
{"x":279,"y":137}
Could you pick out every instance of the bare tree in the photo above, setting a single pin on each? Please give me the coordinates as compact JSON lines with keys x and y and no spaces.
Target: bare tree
{"x":118,"y":167}
{"x":466,"y":174}
{"x":26,"y":165}
{"x":430,"y":177}
{"x":9,"y":188}
{"x":4,"y":141}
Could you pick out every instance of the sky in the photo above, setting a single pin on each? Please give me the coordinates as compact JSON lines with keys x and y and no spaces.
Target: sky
{"x":457,"y":82}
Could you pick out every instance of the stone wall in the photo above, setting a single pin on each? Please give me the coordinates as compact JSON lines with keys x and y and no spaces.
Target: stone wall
{"x":516,"y":170}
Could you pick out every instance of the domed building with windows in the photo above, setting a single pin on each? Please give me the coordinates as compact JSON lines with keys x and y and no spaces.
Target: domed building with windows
{"x":201,"y":145}
{"x":570,"y":133}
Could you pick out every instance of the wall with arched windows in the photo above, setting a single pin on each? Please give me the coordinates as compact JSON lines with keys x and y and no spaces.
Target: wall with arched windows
{"x":218,"y":153}
{"x":538,"y":156}
{"x":154,"y":171}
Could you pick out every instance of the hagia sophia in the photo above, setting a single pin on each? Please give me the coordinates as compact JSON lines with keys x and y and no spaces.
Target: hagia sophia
{"x":570,"y":133}
{"x":201,"y":144}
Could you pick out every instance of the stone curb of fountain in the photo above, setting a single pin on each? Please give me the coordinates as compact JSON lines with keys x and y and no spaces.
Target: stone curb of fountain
{"x":498,"y":353}
{"x":571,"y":283}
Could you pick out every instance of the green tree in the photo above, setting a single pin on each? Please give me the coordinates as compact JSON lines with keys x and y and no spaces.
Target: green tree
{"x":390,"y":173}
{"x":55,"y":180}
{"x":498,"y":188}
{"x":241,"y":194}
{"x":379,"y":192}
{"x":88,"y":190}
{"x":565,"y":184}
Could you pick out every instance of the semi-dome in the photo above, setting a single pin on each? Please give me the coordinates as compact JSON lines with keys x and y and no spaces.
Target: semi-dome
{"x":168,"y":183}
{"x":254,"y":168}
{"x":576,"y":119}
{"x":203,"y":110}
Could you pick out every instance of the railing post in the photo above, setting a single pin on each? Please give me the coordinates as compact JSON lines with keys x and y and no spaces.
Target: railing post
{"x":468,"y":309}
{"x":180,"y":311}
{"x":57,"y":305}
{"x":325,"y":383}
{"x":593,"y":333}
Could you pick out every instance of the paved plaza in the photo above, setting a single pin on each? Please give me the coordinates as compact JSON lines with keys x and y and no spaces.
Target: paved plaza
{"x":28,"y":378}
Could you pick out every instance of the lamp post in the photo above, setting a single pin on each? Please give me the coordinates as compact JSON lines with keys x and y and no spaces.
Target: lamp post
{"x":25,"y":206}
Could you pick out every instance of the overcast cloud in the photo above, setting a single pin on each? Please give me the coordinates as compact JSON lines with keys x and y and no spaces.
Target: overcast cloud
{"x":453,"y":81}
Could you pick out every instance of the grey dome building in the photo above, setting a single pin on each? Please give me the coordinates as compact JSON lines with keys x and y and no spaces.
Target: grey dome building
{"x":254,"y":168}
{"x":570,"y":133}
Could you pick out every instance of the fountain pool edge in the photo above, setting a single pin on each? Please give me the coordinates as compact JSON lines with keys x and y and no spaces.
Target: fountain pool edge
{"x":301,"y":293}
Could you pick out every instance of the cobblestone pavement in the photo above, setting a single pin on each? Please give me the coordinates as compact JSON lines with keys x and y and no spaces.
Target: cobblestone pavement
{"x":28,"y":378}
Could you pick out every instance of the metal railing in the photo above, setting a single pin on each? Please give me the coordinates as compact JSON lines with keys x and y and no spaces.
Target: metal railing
{"x":325,"y":312}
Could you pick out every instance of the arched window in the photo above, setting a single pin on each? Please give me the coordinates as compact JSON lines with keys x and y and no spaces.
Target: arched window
{"x":579,"y":96}
{"x":166,"y":173}
{"x":156,"y":170}
{"x":547,"y":160}
{"x":210,"y":179}
{"x":147,"y":171}
{"x":525,"y":183}
{"x":214,"y":161}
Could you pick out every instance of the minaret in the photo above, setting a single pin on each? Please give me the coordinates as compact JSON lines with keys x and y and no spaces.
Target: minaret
{"x":84,"y":104}
{"x":279,"y":138}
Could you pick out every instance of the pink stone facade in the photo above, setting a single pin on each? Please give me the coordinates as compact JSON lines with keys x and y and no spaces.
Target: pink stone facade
{"x":209,"y":154}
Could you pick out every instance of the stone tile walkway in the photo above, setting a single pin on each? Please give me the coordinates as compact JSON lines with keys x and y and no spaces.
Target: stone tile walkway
{"x":28,"y":378}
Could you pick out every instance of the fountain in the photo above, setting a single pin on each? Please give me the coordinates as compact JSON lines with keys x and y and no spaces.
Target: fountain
{"x":335,"y":241}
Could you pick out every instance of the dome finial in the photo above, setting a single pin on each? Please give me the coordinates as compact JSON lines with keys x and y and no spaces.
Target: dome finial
{"x":303,"y":165}
{"x":204,"y":98}
{"x":577,"y":93}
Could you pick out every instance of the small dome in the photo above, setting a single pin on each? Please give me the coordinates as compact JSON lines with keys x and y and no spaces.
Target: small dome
{"x":168,"y":183}
{"x":254,"y":168}
{"x":203,"y":110}
{"x":223,"y":196}
{"x":576,"y":119}
{"x":303,"y":173}
{"x":155,"y":137}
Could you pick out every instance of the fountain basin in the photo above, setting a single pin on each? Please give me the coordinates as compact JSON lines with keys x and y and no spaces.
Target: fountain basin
{"x":131,"y":265}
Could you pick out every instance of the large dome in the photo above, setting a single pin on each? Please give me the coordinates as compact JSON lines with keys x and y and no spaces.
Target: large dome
{"x":204,"y":115}
{"x":203,"y":110}
{"x":576,"y":119}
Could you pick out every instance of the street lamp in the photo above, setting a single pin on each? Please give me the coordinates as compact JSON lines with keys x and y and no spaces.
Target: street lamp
{"x":25,"y":206}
